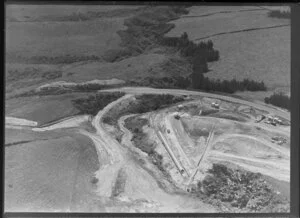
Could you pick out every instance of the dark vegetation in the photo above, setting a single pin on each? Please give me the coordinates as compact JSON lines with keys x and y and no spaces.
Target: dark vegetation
{"x":146,"y":30}
{"x":30,"y":73}
{"x":241,"y":190}
{"x":93,"y":103}
{"x":143,"y":103}
{"x":198,"y":54}
{"x":199,"y":81}
{"x":17,"y":143}
{"x":85,"y":16}
{"x":58,"y":90}
{"x":162,"y":82}
{"x":279,"y":14}
{"x":119,"y":185}
{"x":279,"y":100}
{"x":63,"y":59}
{"x":140,"y":139}
{"x":52,"y":74}
{"x":94,"y":180}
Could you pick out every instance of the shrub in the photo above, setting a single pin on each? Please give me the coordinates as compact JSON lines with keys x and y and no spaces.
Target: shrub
{"x":279,"y":100}
{"x":240,"y":189}
{"x":94,"y":180}
{"x":93,"y":103}
{"x":229,"y":86}
{"x":279,"y":14}
{"x":52,"y":74}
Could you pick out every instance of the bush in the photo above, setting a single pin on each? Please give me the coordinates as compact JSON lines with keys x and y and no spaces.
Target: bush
{"x":94,"y":180}
{"x":146,"y":29}
{"x":229,"y":86}
{"x":65,"y":59}
{"x":279,"y":100}
{"x":140,"y":140}
{"x":240,"y":189}
{"x":279,"y":14}
{"x":197,"y":53}
{"x":52,"y":74}
{"x":93,"y":103}
{"x":163,"y":82}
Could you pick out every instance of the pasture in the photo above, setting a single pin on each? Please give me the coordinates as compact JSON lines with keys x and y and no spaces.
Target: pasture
{"x":50,"y":175}
{"x":259,"y":54}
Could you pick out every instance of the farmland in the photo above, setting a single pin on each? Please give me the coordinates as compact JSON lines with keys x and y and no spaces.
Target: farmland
{"x":261,"y":54}
{"x":146,"y":109}
{"x":49,"y":173}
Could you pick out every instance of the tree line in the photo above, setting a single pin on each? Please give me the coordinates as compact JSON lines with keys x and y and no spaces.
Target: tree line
{"x":279,"y":14}
{"x":199,"y":54}
{"x":279,"y":100}
{"x":199,"y":81}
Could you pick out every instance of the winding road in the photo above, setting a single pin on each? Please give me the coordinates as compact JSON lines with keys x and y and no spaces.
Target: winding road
{"x":114,"y":157}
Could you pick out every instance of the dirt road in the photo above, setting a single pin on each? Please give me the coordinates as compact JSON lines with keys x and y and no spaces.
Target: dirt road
{"x":138,"y":184}
{"x":147,"y":90}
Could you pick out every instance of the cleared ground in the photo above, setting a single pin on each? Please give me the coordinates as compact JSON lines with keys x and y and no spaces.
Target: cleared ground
{"x":126,"y":179}
{"x":84,"y":164}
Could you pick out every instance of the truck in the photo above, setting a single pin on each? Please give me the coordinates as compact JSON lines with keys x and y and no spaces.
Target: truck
{"x":215,"y":105}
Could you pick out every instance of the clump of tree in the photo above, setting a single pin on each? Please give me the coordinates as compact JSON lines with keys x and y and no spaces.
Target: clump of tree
{"x":145,"y":29}
{"x":140,"y":139}
{"x":93,"y":103}
{"x":199,"y":81}
{"x":279,"y":14}
{"x":279,"y":100}
{"x":17,"y":74}
{"x":64,"y":59}
{"x":163,"y":82}
{"x":198,"y":54}
{"x":150,"y":102}
{"x":52,"y":74}
{"x":240,"y":189}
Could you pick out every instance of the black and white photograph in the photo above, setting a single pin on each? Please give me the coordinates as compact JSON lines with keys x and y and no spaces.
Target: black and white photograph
{"x":147,"y":108}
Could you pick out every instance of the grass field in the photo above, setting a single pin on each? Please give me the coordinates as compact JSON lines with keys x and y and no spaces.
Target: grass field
{"x":259,"y":54}
{"x":62,"y":38}
{"x":204,"y":10}
{"x":126,"y":69}
{"x":42,"y":109}
{"x":198,"y":27}
{"x":50,"y":175}
{"x":33,"y":12}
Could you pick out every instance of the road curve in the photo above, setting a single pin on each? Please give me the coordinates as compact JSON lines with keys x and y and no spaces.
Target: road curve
{"x":147,"y":90}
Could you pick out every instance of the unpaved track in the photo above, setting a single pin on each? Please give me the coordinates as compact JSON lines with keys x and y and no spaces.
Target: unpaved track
{"x":147,"y":90}
{"x":278,"y":169}
{"x":66,"y":123}
{"x":13,"y":121}
{"x":139,"y":184}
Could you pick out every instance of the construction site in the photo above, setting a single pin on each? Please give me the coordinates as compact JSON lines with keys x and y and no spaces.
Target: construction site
{"x":198,"y":152}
